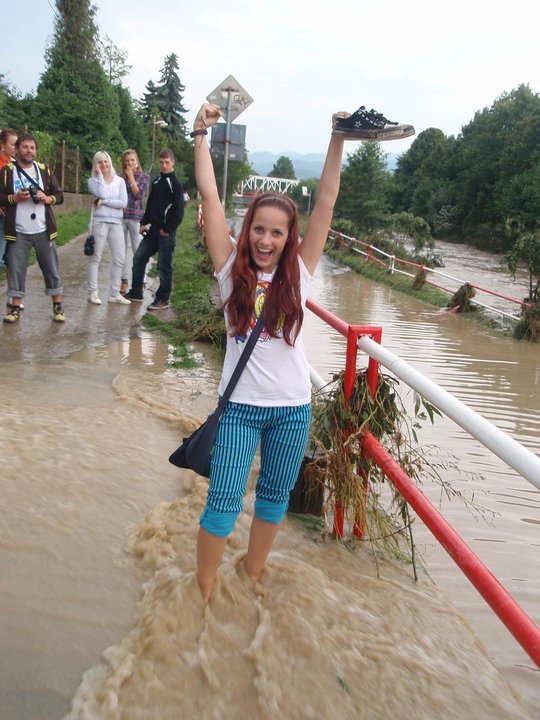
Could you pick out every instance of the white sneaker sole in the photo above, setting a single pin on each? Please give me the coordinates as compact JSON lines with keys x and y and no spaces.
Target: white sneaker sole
{"x":391,"y":132}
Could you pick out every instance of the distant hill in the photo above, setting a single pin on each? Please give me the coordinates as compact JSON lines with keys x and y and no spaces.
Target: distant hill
{"x":305,"y":166}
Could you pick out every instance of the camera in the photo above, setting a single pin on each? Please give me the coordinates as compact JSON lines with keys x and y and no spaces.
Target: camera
{"x":33,"y":194}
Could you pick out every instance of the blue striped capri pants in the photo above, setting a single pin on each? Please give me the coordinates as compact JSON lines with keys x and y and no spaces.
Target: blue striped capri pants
{"x":283,"y":434}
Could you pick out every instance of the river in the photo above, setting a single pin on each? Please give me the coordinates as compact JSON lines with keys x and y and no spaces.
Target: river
{"x":98,"y":535}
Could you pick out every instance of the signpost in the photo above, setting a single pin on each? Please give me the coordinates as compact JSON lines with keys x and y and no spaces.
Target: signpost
{"x":231,"y":97}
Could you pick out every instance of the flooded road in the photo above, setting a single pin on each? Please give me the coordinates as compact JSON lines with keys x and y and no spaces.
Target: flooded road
{"x":90,"y":412}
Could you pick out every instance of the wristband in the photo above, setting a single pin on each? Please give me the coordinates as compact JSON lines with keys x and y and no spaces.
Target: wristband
{"x":201,"y":131}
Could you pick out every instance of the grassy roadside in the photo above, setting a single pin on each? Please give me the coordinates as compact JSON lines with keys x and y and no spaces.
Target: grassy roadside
{"x":427,"y":294}
{"x":72,"y":224}
{"x":195,"y":316}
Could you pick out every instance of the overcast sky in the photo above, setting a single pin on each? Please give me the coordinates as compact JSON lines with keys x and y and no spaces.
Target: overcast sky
{"x":422,"y":61}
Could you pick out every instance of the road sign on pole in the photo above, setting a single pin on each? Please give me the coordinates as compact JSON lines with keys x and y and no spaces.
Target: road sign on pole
{"x":240,"y":99}
{"x":231,"y":97}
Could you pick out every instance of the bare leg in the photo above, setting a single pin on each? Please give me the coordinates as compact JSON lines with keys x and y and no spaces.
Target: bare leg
{"x":261,"y":539}
{"x":210,"y":550}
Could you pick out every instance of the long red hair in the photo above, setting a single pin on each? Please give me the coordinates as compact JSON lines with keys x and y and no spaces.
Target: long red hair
{"x":283,"y":304}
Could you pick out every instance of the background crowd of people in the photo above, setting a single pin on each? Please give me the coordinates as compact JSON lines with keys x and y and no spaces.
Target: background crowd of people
{"x":125,"y":208}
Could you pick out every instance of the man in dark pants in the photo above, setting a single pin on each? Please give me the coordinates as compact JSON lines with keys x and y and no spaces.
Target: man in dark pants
{"x":163,"y":214}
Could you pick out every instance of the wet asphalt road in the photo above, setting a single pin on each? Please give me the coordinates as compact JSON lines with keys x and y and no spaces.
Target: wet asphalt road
{"x":37,"y":337}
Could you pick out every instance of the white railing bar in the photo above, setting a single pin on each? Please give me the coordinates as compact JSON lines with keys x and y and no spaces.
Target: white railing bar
{"x":522,"y":460}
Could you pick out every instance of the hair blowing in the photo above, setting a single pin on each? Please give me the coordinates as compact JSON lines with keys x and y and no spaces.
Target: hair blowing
{"x":283,"y":304}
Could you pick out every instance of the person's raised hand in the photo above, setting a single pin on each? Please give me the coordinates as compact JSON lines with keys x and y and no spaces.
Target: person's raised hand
{"x":207,"y":116}
{"x":339,"y":114}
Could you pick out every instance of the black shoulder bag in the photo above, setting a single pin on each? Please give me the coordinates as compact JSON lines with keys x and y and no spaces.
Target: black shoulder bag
{"x":195,"y":452}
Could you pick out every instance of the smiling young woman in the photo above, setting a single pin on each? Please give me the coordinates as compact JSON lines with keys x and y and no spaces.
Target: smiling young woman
{"x":269,"y":266}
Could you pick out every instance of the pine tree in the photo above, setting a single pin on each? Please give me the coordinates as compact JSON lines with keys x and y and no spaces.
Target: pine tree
{"x":74,"y":100}
{"x":167,"y":99}
{"x":149,"y":101}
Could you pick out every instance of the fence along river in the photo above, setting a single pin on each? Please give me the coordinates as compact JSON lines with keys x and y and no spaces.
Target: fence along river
{"x":90,"y":428}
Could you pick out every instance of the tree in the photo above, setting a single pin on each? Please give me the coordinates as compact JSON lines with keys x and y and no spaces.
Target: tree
{"x":15,"y":109}
{"x":113,"y":60}
{"x":283,"y":168}
{"x":135,"y":132}
{"x":421,"y":180}
{"x":526,"y":249}
{"x":74,"y":100}
{"x":364,"y":188}
{"x":167,"y":99}
{"x":500,"y":142}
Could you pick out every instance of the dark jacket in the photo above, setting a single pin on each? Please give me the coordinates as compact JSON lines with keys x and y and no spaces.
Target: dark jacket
{"x":165,"y":204}
{"x":50,"y":187}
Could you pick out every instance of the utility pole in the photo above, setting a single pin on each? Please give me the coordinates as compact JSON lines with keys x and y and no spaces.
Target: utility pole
{"x":229,"y":91}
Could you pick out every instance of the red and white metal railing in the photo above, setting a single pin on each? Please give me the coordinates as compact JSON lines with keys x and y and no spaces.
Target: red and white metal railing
{"x":368,"y":338}
{"x":375,"y":254}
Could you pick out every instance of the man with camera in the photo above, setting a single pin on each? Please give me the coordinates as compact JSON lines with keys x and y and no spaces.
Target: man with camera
{"x":28,"y":190}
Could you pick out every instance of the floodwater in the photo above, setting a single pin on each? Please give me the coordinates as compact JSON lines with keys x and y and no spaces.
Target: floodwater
{"x":100,"y":614}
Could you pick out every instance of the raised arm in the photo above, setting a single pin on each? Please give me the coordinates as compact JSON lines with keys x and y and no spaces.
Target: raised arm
{"x":217,"y":235}
{"x":316,"y":233}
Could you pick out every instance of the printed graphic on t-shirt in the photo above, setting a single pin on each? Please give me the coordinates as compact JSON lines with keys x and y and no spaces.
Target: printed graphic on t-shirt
{"x":260,"y":297}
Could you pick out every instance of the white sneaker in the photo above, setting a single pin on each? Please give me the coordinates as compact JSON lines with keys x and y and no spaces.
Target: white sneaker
{"x":94,"y":298}
{"x":120,"y":299}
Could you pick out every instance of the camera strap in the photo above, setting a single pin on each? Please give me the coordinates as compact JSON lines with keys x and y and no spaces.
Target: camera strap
{"x":26,"y":175}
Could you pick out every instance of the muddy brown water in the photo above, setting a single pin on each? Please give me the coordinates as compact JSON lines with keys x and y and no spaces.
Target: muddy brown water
{"x":100,"y":617}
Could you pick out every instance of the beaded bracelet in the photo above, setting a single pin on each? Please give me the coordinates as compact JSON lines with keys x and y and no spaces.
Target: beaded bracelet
{"x":201,"y":131}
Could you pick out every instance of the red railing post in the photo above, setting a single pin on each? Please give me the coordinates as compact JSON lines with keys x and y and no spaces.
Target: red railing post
{"x":353,"y":333}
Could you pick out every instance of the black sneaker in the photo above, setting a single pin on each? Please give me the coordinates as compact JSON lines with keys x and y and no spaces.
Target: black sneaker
{"x":130,"y":295}
{"x":158,"y":305}
{"x":370,"y":125}
{"x":58,"y":312}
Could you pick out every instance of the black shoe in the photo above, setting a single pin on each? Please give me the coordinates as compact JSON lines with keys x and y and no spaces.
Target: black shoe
{"x":130,"y":295}
{"x":58,"y":312}
{"x":370,"y":125}
{"x":158,"y":305}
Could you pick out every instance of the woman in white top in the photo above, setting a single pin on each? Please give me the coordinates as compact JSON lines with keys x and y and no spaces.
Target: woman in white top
{"x":109,"y":191}
{"x":269,"y":265}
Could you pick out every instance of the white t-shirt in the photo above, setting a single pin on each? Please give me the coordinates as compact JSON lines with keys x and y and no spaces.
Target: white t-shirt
{"x":30,"y":217}
{"x":276,"y":374}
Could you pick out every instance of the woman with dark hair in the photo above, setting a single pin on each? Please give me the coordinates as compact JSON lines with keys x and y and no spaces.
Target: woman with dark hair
{"x":270,"y":266}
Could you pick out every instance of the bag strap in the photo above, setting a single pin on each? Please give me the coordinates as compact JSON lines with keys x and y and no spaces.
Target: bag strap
{"x":241,"y":364}
{"x":27,"y":176}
